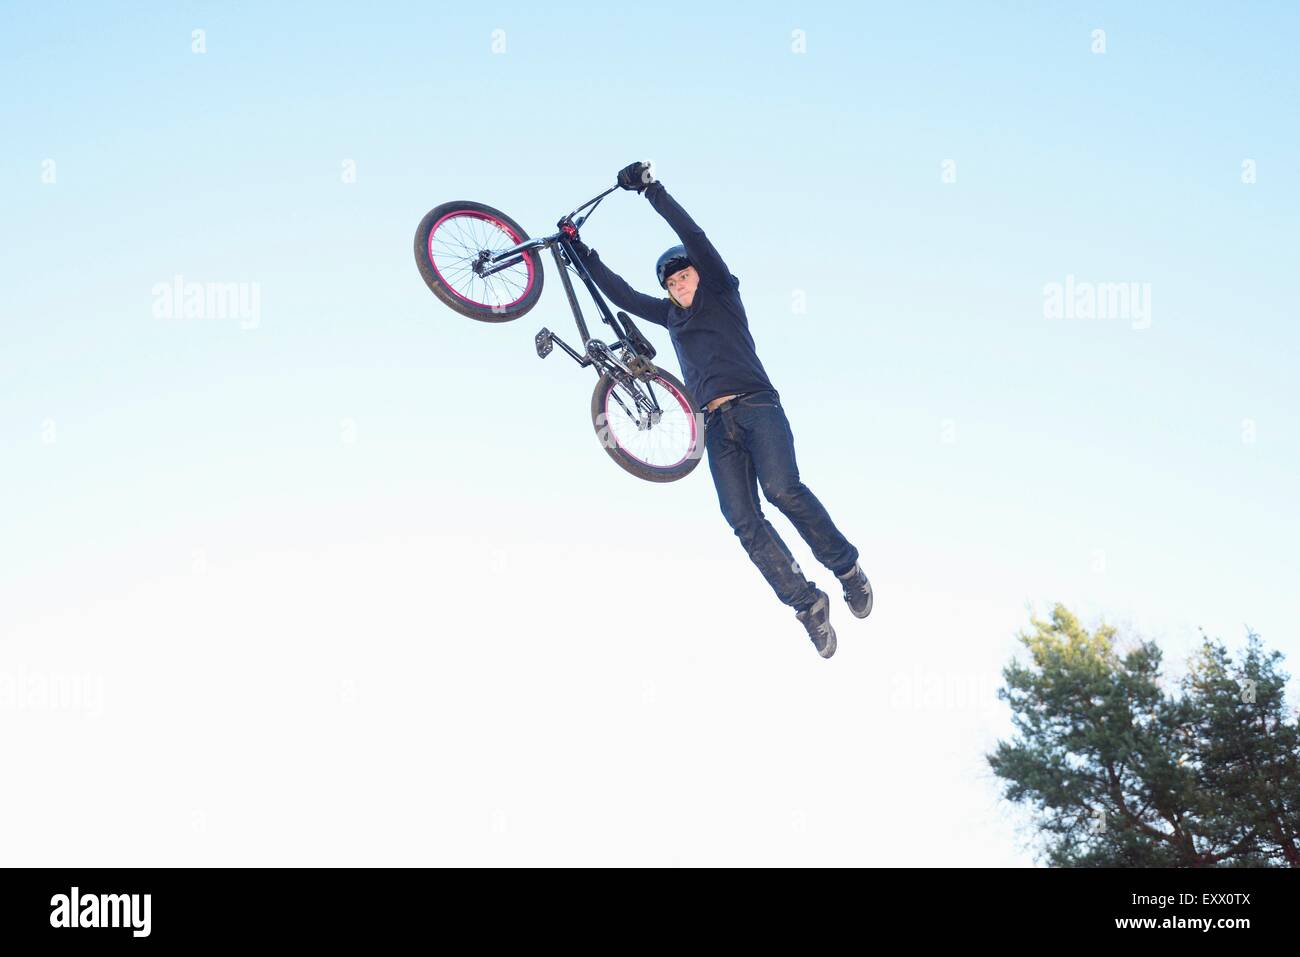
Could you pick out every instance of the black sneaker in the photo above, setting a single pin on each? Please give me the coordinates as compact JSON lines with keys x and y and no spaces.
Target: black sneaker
{"x":817,"y":619}
{"x":857,"y":591}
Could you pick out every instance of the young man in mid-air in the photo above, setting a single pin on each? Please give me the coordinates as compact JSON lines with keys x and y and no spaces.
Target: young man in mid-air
{"x":747,"y":435}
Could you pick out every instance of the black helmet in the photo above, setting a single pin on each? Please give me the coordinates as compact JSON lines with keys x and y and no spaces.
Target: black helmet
{"x":671,"y":261}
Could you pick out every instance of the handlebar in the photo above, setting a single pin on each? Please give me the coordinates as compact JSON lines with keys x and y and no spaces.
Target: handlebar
{"x":499,"y":259}
{"x":591,"y":202}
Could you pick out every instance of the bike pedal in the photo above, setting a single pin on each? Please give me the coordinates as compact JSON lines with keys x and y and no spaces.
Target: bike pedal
{"x":545,"y":342}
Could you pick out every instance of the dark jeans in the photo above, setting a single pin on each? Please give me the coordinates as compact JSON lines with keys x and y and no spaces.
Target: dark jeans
{"x":750,"y":444}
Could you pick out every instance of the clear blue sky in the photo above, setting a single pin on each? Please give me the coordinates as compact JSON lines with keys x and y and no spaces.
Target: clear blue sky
{"x":333,"y":499}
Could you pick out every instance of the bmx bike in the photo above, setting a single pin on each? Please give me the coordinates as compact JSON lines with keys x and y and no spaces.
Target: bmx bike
{"x":482,"y":264}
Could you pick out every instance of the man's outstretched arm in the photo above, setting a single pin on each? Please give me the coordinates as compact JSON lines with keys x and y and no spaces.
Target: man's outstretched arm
{"x":620,"y":293}
{"x":703,"y":255}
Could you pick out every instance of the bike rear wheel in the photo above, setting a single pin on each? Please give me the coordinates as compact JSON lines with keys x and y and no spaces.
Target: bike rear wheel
{"x":452,"y":245}
{"x":662,"y":450}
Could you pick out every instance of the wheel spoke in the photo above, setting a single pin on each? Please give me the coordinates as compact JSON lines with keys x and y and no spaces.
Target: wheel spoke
{"x":455,"y":246}
{"x":663,"y":445}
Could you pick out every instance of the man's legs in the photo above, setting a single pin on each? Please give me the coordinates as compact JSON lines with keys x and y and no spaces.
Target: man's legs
{"x":735,"y":477}
{"x":770,"y":441}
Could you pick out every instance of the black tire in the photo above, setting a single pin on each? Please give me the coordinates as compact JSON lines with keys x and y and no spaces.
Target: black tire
{"x":627,"y":461}
{"x":449,"y":296}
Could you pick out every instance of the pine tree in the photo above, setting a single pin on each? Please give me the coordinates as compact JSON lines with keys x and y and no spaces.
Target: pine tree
{"x":1121,"y":774}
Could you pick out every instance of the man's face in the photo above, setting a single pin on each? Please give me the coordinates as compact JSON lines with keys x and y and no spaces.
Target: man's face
{"x":682,"y":285}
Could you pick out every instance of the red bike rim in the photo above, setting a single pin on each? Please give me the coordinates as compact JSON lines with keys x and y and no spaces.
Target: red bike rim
{"x":681,"y":403}
{"x":465,"y":240}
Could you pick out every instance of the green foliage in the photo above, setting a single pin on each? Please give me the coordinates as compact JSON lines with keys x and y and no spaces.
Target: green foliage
{"x":1121,"y":774}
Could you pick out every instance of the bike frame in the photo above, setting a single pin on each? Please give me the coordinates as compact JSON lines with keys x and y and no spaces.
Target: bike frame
{"x":637,"y":351}
{"x":560,"y":245}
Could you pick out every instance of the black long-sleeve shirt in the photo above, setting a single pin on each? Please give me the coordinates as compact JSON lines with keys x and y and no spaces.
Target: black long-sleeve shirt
{"x":711,"y":336}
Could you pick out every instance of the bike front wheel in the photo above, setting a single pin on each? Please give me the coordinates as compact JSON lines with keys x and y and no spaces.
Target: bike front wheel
{"x":658,"y":445}
{"x":453,"y":244}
